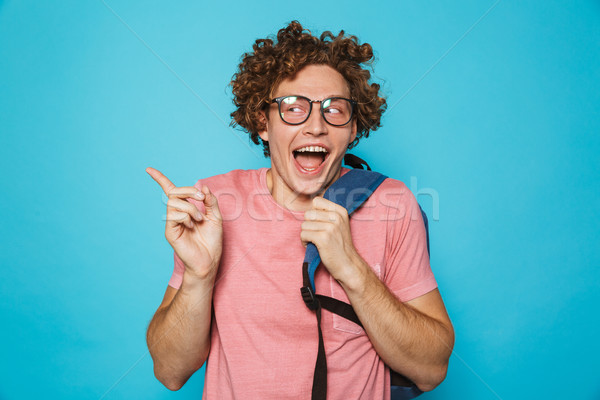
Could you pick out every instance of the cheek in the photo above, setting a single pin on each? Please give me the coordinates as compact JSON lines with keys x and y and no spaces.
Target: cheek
{"x":281,"y":138}
{"x":278,"y":147}
{"x":345,"y":139}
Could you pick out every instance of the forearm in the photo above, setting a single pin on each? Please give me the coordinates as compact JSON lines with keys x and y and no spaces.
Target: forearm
{"x":179,"y":335}
{"x":408,"y":341}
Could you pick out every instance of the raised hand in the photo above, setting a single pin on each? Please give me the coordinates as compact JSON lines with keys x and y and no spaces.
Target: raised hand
{"x":196,"y":238}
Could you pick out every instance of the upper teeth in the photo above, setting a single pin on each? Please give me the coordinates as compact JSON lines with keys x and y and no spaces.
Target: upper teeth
{"x":312,"y":149}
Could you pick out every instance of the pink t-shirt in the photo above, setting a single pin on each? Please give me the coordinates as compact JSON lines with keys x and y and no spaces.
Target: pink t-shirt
{"x":263,"y":337}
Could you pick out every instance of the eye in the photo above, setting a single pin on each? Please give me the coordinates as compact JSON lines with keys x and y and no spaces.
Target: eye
{"x":293,"y":104}
{"x":294,"y":109}
{"x":332,"y":110}
{"x":334,"y":106}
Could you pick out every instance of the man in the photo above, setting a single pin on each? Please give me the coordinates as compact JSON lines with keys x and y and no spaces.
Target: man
{"x":239,"y":240}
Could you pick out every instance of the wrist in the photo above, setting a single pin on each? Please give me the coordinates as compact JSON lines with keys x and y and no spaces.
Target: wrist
{"x":203,"y":271}
{"x":355,"y":276}
{"x":193,"y":282}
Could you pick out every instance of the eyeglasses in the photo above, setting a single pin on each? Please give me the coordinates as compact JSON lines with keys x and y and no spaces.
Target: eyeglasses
{"x":295,"y":110}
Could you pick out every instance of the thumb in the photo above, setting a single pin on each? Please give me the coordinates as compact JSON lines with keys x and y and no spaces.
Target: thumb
{"x":210,"y":203}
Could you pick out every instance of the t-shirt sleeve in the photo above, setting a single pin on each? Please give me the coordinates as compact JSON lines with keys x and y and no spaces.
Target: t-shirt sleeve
{"x":408,"y":273}
{"x":177,"y":276}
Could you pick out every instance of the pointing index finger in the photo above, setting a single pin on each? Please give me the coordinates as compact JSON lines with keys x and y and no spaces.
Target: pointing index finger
{"x":162,"y":180}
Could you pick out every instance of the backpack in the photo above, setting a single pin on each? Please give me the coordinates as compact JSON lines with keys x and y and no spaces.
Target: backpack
{"x":364,"y":183}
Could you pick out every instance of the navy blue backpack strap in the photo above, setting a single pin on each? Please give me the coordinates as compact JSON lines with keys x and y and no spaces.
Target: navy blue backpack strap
{"x":351,"y":190}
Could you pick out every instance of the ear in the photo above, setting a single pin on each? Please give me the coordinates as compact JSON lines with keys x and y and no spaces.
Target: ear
{"x":264,"y":135}
{"x":354,"y":130}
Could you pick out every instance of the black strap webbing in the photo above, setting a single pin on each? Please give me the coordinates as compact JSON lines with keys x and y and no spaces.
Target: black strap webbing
{"x":355,"y":162}
{"x":339,"y":307}
{"x":319,"y":387}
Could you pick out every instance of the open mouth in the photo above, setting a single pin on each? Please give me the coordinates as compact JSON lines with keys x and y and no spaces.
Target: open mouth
{"x":310,"y":158}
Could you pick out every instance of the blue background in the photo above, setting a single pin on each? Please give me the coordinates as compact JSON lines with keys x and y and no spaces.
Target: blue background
{"x":492,"y":121}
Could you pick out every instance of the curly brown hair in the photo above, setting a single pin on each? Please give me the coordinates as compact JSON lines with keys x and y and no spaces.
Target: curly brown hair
{"x":261,"y":71}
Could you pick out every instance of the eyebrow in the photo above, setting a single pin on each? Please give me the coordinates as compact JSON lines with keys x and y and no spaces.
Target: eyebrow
{"x":324,"y":98}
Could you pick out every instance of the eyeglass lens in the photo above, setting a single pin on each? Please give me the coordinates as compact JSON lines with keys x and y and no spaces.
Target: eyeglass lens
{"x":295,"y":110}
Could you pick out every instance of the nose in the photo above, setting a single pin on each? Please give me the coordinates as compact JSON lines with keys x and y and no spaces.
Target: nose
{"x":315,"y":125}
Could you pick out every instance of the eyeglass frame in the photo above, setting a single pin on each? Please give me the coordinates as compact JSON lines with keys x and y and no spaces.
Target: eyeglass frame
{"x":279,"y":99}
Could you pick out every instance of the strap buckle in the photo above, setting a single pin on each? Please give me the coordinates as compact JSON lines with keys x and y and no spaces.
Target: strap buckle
{"x":309,"y":297}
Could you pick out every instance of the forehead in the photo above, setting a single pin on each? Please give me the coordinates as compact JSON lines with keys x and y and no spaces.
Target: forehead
{"x":315,"y":82}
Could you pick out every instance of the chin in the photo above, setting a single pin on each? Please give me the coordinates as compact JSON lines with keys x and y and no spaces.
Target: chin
{"x":311,"y":189}
{"x":312,"y":185}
